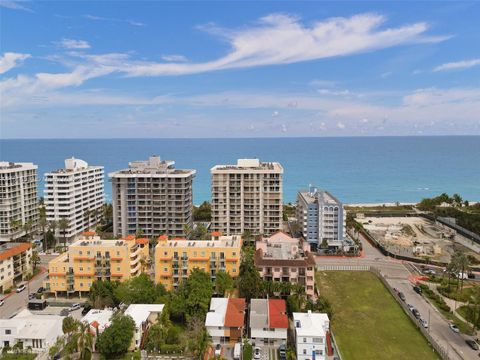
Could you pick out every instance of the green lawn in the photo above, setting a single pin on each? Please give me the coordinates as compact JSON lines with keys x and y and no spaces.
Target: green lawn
{"x":367,"y":321}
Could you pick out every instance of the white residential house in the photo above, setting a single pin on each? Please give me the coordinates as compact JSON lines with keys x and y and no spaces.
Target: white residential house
{"x":268,"y":321}
{"x":37,"y":332}
{"x":144,"y":315}
{"x":225,"y":320}
{"x":311,"y":333}
{"x":98,"y":320}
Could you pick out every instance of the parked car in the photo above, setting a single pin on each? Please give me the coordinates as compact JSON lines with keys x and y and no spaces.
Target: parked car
{"x":237,"y":351}
{"x":40,"y":290}
{"x":454,"y":328}
{"x":424,"y":323}
{"x":417,"y":289}
{"x":401,"y":295}
{"x":32,"y":296}
{"x":471,"y":275}
{"x":2,"y":302}
{"x":86,"y":309}
{"x":410,"y":307}
{"x":21,"y":288}
{"x":74,"y":307}
{"x":472,"y":344}
{"x":416,"y":313}
{"x":218,"y":350}
{"x":282,"y":352}
{"x":257,"y":353}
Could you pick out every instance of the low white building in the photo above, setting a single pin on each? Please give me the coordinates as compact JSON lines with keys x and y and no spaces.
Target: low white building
{"x":268,"y":321}
{"x":98,"y":319}
{"x":225,"y":320}
{"x":37,"y":332}
{"x":144,"y":315}
{"x":311,"y":333}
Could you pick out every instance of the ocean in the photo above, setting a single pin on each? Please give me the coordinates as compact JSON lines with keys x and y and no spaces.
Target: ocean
{"x":354,"y":169}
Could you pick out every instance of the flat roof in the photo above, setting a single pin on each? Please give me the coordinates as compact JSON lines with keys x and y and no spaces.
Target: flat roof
{"x":222,"y":242}
{"x":311,"y":324}
{"x":141,"y":312}
{"x":319,"y":195}
{"x":228,"y":312}
{"x":250,"y":165}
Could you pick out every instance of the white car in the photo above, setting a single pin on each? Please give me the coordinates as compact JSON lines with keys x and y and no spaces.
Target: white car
{"x":424,"y":323}
{"x":454,"y":328}
{"x":2,"y":302}
{"x":218,"y":350}
{"x":74,"y":307}
{"x":257,"y":353}
{"x":21,"y":288}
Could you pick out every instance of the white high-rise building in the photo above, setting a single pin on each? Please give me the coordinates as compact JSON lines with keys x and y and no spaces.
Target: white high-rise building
{"x":74,"y":193}
{"x":247,"y":197}
{"x":152,"y":197}
{"x":18,"y":199}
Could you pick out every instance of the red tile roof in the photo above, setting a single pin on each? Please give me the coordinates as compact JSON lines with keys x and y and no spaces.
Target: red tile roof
{"x":217,"y":233}
{"x":235,"y":315}
{"x":89,"y":233}
{"x":95,"y":323}
{"x":129,"y":237}
{"x":15,"y":250}
{"x":141,"y":241}
{"x":277,"y":314}
{"x":163,"y":237}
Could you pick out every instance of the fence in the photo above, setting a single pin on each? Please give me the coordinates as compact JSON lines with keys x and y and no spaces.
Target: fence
{"x":438,"y":348}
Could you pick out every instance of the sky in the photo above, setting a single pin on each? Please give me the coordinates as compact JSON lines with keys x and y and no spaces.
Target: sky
{"x":119,"y":69}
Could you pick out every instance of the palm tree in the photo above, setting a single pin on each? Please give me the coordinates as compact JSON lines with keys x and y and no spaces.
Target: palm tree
{"x":14,"y":226}
{"x":27,"y":227}
{"x":42,"y":222}
{"x":52,"y":225}
{"x":35,"y":259}
{"x":84,"y":341}
{"x":463,"y":263}
{"x":63,"y":225}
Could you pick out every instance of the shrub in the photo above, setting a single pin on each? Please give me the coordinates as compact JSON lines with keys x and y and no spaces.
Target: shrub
{"x":171,"y":348}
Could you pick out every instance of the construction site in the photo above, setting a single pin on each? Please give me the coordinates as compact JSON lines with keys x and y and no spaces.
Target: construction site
{"x":417,"y":237}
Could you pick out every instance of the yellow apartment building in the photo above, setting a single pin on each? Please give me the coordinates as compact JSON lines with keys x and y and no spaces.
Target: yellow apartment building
{"x":92,"y":258}
{"x":176,"y":258}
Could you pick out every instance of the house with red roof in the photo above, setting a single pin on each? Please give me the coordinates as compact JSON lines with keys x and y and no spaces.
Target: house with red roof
{"x":226,"y":319}
{"x":268,"y":321}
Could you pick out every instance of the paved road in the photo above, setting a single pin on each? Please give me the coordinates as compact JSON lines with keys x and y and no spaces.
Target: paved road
{"x":397,"y":275}
{"x":16,"y":302}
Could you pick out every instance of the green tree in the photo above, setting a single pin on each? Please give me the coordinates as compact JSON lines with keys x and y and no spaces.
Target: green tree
{"x":35,"y":259}
{"x":249,"y":282}
{"x":223,"y":283}
{"x":198,"y":338}
{"x":83,"y":340}
{"x":42,"y":222}
{"x":28,"y":227}
{"x":52,"y":226}
{"x":63,"y":226}
{"x":139,"y":290}
{"x":116,"y":339}
{"x":87,"y":214}
{"x":457,"y":200}
{"x":102,"y":294}
{"x":198,"y":292}
{"x":69,"y":326}
{"x":203,"y":212}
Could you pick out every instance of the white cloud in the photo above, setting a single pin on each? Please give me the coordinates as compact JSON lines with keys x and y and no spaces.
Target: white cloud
{"x":174,"y":58}
{"x":101,"y":18}
{"x":14,"y":5}
{"x":340,"y":125}
{"x":275,"y":114}
{"x":458,"y":65}
{"x":74,"y":44}
{"x":9,"y":60}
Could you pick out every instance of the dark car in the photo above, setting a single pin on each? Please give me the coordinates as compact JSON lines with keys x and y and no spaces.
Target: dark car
{"x":401,"y":296}
{"x":32,"y":296}
{"x":471,"y":275}
{"x":417,"y":289}
{"x":472,"y":344}
{"x":86,"y":309}
{"x":40,"y":290}
{"x":416,"y":313}
{"x":282,"y":351}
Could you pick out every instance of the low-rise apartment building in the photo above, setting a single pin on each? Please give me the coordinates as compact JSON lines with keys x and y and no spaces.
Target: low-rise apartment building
{"x":247,"y":197}
{"x":176,"y":258}
{"x":285,"y":259}
{"x":321,"y":218}
{"x":74,"y":193}
{"x":37,"y":332}
{"x":312,"y":335}
{"x":98,"y":320}
{"x":225,"y":320}
{"x":15,"y":263}
{"x":18,"y":199}
{"x":92,"y":258}
{"x":268,"y":321}
{"x":152,"y":197}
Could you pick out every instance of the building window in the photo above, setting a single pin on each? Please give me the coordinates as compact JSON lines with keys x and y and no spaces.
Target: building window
{"x":8,"y":331}
{"x":304,"y":340}
{"x":304,"y":351}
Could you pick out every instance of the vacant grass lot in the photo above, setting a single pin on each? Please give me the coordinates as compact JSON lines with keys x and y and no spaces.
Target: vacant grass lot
{"x":367,"y":321}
